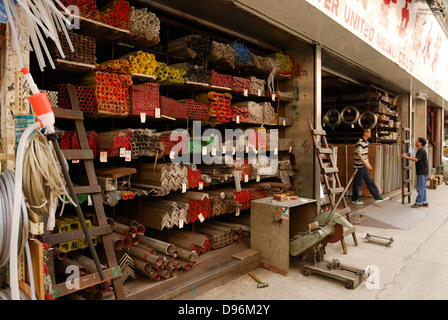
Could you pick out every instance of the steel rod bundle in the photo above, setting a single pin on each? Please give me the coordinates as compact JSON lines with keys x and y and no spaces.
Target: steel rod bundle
{"x":145,"y":98}
{"x":86,"y":98}
{"x":257,"y":86}
{"x":112,"y":92}
{"x":222,"y":53}
{"x":144,"y":26}
{"x":142,"y":63}
{"x":242,"y":54}
{"x":169,"y":177}
{"x":196,"y":110}
{"x":256,"y":110}
{"x":199,"y":45}
{"x":53,"y":97}
{"x":196,"y":242}
{"x":199,"y":204}
{"x":240,"y":114}
{"x":69,"y":140}
{"x":121,"y":66}
{"x":87,"y":8}
{"x":172,"y":108}
{"x":220,"y":80}
{"x":285,"y":121}
{"x":170,"y":140}
{"x":145,"y":143}
{"x":266,"y":64}
{"x":240,"y":84}
{"x":285,"y":63}
{"x":193,"y":73}
{"x":219,"y":105}
{"x":219,"y":236}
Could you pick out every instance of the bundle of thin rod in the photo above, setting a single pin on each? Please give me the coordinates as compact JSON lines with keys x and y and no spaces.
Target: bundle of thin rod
{"x":145,"y":98}
{"x":256,"y":110}
{"x":196,"y":110}
{"x":199,"y":205}
{"x":52,"y":96}
{"x":87,"y":8}
{"x":69,"y":140}
{"x":190,"y":241}
{"x":257,"y":86}
{"x":145,"y":143}
{"x":240,"y":84}
{"x":199,"y":45}
{"x":167,"y":176}
{"x":170,"y":140}
{"x":285,"y":63}
{"x":222,"y":53}
{"x":144,"y":26}
{"x":113,"y":141}
{"x":220,"y":80}
{"x":266,"y":64}
{"x":43,"y":181}
{"x":121,"y":66}
{"x":40,"y":16}
{"x":116,"y":14}
{"x":193,"y":73}
{"x":172,"y":108}
{"x":86,"y":98}
{"x":285,"y":121}
{"x":161,"y":213}
{"x":84,"y":48}
{"x":242,"y":54}
{"x":142,"y":63}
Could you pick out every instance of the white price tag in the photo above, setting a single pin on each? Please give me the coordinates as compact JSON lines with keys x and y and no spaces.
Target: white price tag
{"x":181,"y":223}
{"x":201,"y":217}
{"x":284,"y":122}
{"x":290,"y":149}
{"x":142,"y":117}
{"x":172,"y":154}
{"x":258,"y":178}
{"x":224,"y":149}
{"x":103,"y":156}
{"x":204,"y":151}
{"x":89,"y":200}
{"x":157,"y":113}
{"x":255,"y":150}
{"x":247,"y":149}
{"x":122,"y":152}
{"x":246,"y":178}
{"x":75,"y":161}
{"x":275,"y":151}
{"x":128,"y":155}
{"x":237,"y":119}
{"x":273,"y":97}
{"x":259,"y":92}
{"x":213,"y":151}
{"x":184,"y":187}
{"x":237,"y":213}
{"x":201,"y":185}
{"x":246,"y":92}
{"x":233,"y":150}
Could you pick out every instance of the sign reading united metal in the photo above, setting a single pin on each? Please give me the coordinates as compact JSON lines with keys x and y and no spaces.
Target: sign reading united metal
{"x":405,"y":31}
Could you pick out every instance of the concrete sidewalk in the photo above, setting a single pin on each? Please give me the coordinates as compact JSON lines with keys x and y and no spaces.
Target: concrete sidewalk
{"x":414,"y":267}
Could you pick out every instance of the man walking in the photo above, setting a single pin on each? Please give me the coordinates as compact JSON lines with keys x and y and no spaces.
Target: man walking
{"x":362,"y":164}
{"x":422,"y":170}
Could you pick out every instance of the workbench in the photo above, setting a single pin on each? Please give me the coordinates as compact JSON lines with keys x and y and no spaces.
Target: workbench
{"x":274,"y":223}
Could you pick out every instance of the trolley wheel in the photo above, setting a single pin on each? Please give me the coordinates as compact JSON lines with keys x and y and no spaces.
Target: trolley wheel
{"x":306,"y":272}
{"x":348,"y":285}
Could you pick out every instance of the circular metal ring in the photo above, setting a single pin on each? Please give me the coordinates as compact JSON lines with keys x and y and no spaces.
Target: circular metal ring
{"x":368,"y":113}
{"x":327,"y":118}
{"x":349,"y":109}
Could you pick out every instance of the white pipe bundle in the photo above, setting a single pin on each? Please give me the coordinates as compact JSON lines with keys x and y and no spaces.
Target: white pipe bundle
{"x":40,"y":16}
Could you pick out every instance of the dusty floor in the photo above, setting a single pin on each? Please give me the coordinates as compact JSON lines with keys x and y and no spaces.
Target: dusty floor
{"x":414,"y":267}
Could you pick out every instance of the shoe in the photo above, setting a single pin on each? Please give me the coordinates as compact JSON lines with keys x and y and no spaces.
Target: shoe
{"x":382,"y":199}
{"x":416,"y":206}
{"x":357,"y":202}
{"x":426,"y":205}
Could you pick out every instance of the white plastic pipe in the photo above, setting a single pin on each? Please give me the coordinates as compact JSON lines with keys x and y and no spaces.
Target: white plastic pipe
{"x":16,"y":214}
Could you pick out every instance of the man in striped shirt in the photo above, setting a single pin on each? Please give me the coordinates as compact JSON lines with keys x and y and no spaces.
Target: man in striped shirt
{"x":362,"y":164}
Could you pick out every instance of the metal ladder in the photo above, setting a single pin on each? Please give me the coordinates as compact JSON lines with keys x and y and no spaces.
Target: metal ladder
{"x":405,"y":167}
{"x":102,"y":229}
{"x":331,"y":171}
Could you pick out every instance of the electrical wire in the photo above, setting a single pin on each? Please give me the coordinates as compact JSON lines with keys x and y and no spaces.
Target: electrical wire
{"x":327,"y":116}
{"x":349,"y":110}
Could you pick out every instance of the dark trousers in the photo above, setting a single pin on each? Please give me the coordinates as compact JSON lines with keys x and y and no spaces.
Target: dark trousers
{"x":363,"y":174}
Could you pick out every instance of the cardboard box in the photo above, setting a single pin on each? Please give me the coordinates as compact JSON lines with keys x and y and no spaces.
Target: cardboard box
{"x":433,"y":183}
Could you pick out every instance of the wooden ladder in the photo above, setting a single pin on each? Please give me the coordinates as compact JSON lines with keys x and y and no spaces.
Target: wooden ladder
{"x":405,"y":167}
{"x":329,"y":171}
{"x":102,"y":230}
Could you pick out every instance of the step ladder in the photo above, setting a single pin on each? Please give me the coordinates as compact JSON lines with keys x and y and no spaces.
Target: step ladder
{"x":101,"y":228}
{"x":405,"y":167}
{"x":329,"y":172}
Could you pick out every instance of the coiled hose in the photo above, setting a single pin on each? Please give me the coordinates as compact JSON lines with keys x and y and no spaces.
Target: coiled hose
{"x":350,"y":110}
{"x":329,"y":114}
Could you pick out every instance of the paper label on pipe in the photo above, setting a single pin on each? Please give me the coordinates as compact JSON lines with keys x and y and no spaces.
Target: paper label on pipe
{"x":89,"y":200}
{"x":275,"y":151}
{"x":122,"y":152}
{"x":246,"y":92}
{"x":201,"y":217}
{"x":157,"y":113}
{"x":258,"y":92}
{"x":247,"y":149}
{"x":273,"y":97}
{"x":213,"y":151}
{"x":75,"y":161}
{"x":204,"y":151}
{"x":237,"y":212}
{"x":246,"y":178}
{"x":237,"y":119}
{"x":284,"y":122}
{"x":353,"y":126}
{"x":103,"y":156}
{"x":128,"y":155}
{"x":181,"y":223}
{"x":258,"y":178}
{"x":184,"y":187}
{"x":255,"y":150}
{"x":233,"y":150}
{"x":142,"y":117}
{"x":201,"y":185}
{"x":172,"y":154}
{"x":290,"y":149}
{"x":224,"y":149}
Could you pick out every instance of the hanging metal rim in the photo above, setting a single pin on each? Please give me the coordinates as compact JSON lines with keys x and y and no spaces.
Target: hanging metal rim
{"x":357,"y":113}
{"x":327,"y":118}
{"x":375,"y":117}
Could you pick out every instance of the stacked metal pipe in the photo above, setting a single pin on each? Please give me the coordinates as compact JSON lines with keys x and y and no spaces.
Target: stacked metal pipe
{"x":172,"y":108}
{"x":219,"y":236}
{"x":84,"y":48}
{"x":112,"y":92}
{"x":285,"y":63}
{"x":240,"y":114}
{"x":145,"y":143}
{"x":196,"y":110}
{"x":168,"y":141}
{"x":142,"y":63}
{"x":242,"y":54}
{"x":257,"y":86}
{"x":167,"y":176}
{"x":113,"y":141}
{"x":222,"y":53}
{"x":145,"y":98}
{"x":127,"y":266}
{"x":240,"y":84}
{"x":199,"y":45}
{"x":115,"y":14}
{"x":199,"y":205}
{"x":255,"y":110}
{"x":69,"y":140}
{"x":121,"y":66}
{"x":193,"y":73}
{"x":167,"y":75}
{"x":144,"y":25}
{"x":269,"y":115}
{"x":190,"y":241}
{"x":219,"y":105}
{"x":87,"y":8}
{"x":53,"y":97}
{"x":266,"y":64}
{"x":86,"y":98}
{"x":220,"y":80}
{"x":160,"y":213}
{"x":194,"y":177}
